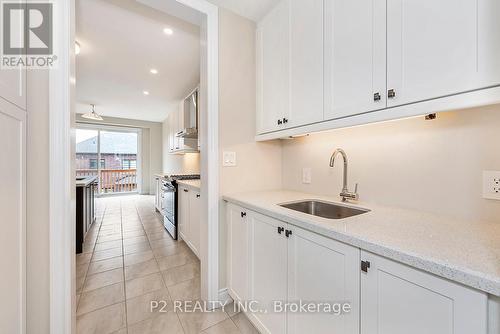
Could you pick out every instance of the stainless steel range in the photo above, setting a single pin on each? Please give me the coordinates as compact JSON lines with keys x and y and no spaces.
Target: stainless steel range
{"x":170,"y":200}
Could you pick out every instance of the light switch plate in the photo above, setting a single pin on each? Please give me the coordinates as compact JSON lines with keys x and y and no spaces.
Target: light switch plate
{"x":229,"y":159}
{"x":306,"y":175}
{"x":491,"y":184}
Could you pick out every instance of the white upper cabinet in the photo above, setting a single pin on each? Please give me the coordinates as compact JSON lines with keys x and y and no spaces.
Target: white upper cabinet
{"x":489,"y":42}
{"x":325,"y":64}
{"x":290,"y":66}
{"x":306,"y":63}
{"x":322,"y":269}
{"x":355,"y":56}
{"x":432,"y":49}
{"x":177,"y":124}
{"x":273,"y":69}
{"x":398,"y":299}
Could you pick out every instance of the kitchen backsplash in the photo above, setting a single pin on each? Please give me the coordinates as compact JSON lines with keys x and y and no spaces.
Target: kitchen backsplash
{"x":433,"y":166}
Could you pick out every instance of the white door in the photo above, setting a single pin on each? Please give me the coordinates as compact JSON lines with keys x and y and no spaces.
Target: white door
{"x":13,"y":221}
{"x":398,"y":299}
{"x":431,"y":49}
{"x":183,"y":214}
{"x":355,"y":57}
{"x":273,"y":69}
{"x":306,"y":63}
{"x":237,"y":246}
{"x":322,"y":270}
{"x":268,"y":271}
{"x":194,"y":220}
{"x":13,"y":86}
{"x":13,"y":81}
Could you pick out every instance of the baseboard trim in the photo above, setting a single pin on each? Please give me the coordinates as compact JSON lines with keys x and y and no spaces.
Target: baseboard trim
{"x":224,"y":296}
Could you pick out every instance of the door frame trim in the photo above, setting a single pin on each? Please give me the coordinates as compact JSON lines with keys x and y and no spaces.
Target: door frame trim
{"x":62,"y":167}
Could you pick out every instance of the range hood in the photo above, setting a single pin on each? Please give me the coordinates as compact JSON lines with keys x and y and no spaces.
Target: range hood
{"x":189,"y":117}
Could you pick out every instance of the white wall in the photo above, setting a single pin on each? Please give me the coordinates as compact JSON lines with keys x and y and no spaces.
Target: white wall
{"x":258,"y":164}
{"x":151,"y":147}
{"x":434,"y":166}
{"x":177,"y":163}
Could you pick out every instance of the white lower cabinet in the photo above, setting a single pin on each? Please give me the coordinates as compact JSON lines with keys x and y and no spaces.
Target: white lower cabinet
{"x":268,"y":271}
{"x":158,"y":185}
{"x":322,"y":270}
{"x":183,"y":213}
{"x":189,"y":217}
{"x":194,"y":220}
{"x":270,"y":260}
{"x":238,"y":256}
{"x":398,"y":299}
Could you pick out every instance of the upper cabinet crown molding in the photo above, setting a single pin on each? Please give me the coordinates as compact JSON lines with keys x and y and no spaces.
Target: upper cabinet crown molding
{"x":329,"y":64}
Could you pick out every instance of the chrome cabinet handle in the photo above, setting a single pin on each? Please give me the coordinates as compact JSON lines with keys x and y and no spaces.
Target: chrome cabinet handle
{"x":391,"y":93}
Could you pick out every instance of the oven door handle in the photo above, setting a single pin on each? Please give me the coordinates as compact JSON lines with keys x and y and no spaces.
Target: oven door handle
{"x":167,"y":188}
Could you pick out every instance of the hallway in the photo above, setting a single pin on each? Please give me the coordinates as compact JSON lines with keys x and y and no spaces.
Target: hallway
{"x":129,"y":260}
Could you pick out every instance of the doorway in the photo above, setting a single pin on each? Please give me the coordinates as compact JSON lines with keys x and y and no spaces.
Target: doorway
{"x":62,"y":140}
{"x":112,"y":154}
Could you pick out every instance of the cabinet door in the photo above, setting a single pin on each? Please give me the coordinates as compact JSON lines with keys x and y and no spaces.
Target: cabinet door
{"x":174,"y":129}
{"x":489,"y":42}
{"x":237,"y":244}
{"x":157,"y":193}
{"x":432,"y":49}
{"x":273,"y":69}
{"x":179,"y":142}
{"x":355,"y":57}
{"x":306,"y":62}
{"x":183,"y":214}
{"x":171,"y":134}
{"x":13,"y":211}
{"x":268,"y":271}
{"x":322,"y":270}
{"x":398,"y":299}
{"x":194,"y":220}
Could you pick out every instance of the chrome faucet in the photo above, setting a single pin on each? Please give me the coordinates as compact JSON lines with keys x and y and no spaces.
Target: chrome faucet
{"x":345,"y":194}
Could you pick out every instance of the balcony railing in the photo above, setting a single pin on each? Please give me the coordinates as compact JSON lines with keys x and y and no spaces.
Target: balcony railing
{"x":113,"y":180}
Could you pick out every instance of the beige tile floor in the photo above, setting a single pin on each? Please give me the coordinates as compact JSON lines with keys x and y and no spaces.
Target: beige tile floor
{"x":128,"y":261}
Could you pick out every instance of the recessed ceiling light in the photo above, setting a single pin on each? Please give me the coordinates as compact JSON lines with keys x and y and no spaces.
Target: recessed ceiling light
{"x":168,"y":31}
{"x":145,"y":92}
{"x":153,"y":71}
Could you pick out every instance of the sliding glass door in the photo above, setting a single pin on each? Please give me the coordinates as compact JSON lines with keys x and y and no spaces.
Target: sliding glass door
{"x":110,"y":153}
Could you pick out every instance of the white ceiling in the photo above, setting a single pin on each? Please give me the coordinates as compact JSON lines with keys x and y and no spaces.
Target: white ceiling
{"x":121,"y":40}
{"x":251,"y":9}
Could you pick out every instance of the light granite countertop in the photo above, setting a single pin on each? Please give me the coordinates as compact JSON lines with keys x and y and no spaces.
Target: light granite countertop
{"x":463,"y":251}
{"x":194,"y":184}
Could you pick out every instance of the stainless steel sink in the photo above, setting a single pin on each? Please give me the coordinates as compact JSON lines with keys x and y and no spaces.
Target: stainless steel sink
{"x":324,"y":209}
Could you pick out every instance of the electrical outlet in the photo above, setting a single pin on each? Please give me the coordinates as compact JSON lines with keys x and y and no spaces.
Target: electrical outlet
{"x":491,"y":184}
{"x":229,"y":159}
{"x":306,"y":175}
